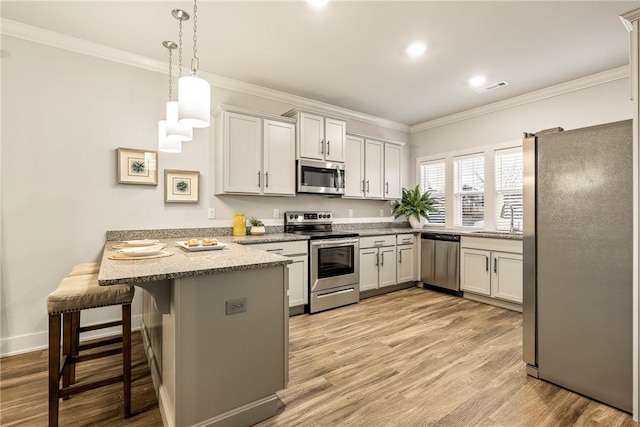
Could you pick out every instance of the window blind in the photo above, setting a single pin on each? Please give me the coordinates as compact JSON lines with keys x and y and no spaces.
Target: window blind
{"x":432,"y":179}
{"x":508,"y":188}
{"x":468,"y":190}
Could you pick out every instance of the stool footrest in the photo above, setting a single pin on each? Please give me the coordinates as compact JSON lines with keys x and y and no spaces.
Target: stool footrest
{"x":100,"y":326}
{"x":92,"y":356}
{"x":79,"y":388}
{"x":100,"y":343}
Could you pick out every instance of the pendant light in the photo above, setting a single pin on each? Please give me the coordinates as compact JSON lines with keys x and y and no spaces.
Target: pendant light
{"x":165,"y":144}
{"x":194,"y":93}
{"x":179,"y":132}
{"x":175,"y":130}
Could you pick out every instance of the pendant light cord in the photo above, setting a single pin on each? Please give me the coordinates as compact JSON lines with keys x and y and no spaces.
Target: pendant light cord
{"x":170,"y":71}
{"x":180,"y":49}
{"x":195,"y":61}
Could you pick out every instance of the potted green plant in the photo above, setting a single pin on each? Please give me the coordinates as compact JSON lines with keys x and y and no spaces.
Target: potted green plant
{"x":415,"y":206}
{"x":257,"y":227}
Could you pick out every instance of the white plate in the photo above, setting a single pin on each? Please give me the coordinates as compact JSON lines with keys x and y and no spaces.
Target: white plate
{"x":217,"y":247}
{"x":142,"y":250}
{"x":145,"y":242}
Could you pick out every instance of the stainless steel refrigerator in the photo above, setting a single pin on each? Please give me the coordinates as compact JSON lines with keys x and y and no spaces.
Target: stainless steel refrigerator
{"x":577,"y":243}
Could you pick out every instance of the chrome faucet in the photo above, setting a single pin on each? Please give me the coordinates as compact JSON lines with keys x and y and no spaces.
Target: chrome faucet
{"x":511,"y":228}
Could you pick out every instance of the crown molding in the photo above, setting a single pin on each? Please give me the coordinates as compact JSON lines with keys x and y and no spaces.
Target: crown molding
{"x":538,"y":95}
{"x":62,"y":41}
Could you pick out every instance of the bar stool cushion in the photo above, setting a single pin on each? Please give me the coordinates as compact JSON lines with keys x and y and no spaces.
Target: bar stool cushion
{"x":85,"y":268}
{"x":76,"y":293}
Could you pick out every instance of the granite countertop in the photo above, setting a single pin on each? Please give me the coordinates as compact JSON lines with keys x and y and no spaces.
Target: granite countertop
{"x":266,"y":238}
{"x":479,"y":233}
{"x":385,"y":231}
{"x":186,"y":264}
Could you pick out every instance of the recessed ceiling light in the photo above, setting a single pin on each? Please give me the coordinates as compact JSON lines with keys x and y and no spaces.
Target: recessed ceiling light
{"x":416,"y":49}
{"x":317,"y":4}
{"x":477,"y":81}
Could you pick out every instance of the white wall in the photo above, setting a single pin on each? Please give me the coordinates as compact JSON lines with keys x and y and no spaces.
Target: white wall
{"x":604,"y":103}
{"x":64,"y":114}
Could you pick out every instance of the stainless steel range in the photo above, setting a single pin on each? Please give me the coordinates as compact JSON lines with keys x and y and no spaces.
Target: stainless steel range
{"x":334,"y":258}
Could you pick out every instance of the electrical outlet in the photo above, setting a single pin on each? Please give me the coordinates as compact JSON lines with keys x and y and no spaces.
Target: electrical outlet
{"x":276,"y":213}
{"x":212,"y":213}
{"x":381,"y":212}
{"x":350,"y":213}
{"x":234,"y":306}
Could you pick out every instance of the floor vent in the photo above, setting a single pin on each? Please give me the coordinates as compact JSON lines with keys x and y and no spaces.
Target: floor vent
{"x":492,"y":87}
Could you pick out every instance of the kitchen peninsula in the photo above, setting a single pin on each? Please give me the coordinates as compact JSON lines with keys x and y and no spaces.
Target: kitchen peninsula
{"x":215,"y":326}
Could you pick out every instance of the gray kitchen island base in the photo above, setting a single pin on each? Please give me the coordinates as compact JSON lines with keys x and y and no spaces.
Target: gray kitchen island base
{"x":211,"y":368}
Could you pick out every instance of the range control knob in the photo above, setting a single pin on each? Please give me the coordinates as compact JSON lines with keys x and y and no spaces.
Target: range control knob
{"x":328,"y":215}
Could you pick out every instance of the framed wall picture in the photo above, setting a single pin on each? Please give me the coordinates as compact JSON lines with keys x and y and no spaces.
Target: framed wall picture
{"x":181,"y":186}
{"x":137,"y":166}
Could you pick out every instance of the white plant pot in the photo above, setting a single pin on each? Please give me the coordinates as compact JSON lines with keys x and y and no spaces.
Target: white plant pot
{"x":257,"y":231}
{"x":415,"y":224}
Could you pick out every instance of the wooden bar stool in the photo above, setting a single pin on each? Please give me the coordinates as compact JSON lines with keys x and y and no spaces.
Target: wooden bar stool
{"x":74,"y":294}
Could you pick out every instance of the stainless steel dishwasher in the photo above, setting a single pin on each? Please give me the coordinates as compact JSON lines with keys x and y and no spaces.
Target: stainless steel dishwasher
{"x":440,"y":255}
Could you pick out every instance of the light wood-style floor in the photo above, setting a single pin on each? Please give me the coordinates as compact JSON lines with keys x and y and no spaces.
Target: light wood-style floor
{"x":410,"y":358}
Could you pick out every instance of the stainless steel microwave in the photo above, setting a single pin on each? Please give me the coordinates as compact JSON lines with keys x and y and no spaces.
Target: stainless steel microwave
{"x":316,"y":176}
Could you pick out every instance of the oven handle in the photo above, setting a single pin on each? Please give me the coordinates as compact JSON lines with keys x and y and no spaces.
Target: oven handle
{"x":335,"y":243}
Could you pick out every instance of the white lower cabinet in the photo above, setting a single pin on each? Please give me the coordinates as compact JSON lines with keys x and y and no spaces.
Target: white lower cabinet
{"x":298,"y":269}
{"x":492,"y":268}
{"x":377,"y":262}
{"x":406,"y":256}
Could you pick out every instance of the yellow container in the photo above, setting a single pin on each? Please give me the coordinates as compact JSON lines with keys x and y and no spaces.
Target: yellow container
{"x":239,"y":224}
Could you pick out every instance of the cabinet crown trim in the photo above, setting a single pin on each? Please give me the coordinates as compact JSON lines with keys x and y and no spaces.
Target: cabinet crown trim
{"x":247,"y":112}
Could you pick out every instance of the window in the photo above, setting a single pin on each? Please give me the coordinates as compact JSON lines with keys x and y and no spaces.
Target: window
{"x":508,"y":188}
{"x":432,"y":179}
{"x":468,"y":191}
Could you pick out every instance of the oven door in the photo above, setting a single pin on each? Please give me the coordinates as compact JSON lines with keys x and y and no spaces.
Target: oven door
{"x":334,"y":263}
{"x":320,"y":177}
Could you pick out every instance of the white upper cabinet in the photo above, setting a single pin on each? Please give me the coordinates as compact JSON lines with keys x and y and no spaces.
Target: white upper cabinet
{"x":373,"y":169}
{"x":242,"y":160}
{"x":254,"y":155}
{"x":279,"y":158}
{"x":392,"y":161}
{"x":311,"y":136}
{"x":321,"y":138}
{"x":354,"y":167}
{"x":335,"y":134}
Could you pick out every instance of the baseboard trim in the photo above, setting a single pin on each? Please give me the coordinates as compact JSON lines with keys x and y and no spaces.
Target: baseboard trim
{"x":21,"y":344}
{"x":493,"y":301}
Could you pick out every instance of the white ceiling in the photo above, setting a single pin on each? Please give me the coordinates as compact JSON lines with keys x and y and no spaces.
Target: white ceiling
{"x":351,"y":54}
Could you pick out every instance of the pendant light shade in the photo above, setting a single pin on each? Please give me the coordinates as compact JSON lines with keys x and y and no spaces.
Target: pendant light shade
{"x":165,"y":144}
{"x":175,"y":130}
{"x":194,"y":97}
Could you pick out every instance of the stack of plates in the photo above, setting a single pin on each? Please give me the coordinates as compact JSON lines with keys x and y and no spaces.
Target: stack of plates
{"x":137,"y":251}
{"x":139,"y":248}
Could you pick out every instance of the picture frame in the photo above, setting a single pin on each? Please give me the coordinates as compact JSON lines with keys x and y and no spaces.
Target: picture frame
{"x":137,"y":166}
{"x":181,"y":186}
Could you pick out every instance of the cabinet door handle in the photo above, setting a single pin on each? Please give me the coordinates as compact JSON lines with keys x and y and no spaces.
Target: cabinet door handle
{"x":377,"y":260}
{"x":258,"y":179}
{"x":495,"y":264}
{"x":266,"y":179}
{"x":322,"y":146}
{"x":400,"y":257}
{"x":486,"y":263}
{"x":387,"y":187}
{"x":382,"y":257}
{"x":367,"y":186}
{"x":328,"y":147}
